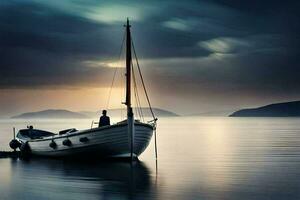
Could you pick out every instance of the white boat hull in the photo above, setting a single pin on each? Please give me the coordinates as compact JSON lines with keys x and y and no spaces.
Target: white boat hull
{"x":109,"y":141}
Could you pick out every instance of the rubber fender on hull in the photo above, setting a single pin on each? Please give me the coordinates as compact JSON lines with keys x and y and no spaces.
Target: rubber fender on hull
{"x":14,"y":144}
{"x":84,"y":139}
{"x":25,"y":148}
{"x":53,"y":144}
{"x":67,"y":142}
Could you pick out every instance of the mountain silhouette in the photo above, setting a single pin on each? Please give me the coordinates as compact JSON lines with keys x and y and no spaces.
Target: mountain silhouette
{"x":286,"y":109}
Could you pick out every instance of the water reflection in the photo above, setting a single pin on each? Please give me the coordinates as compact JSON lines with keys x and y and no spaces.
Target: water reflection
{"x":56,"y":179}
{"x":199,"y":158}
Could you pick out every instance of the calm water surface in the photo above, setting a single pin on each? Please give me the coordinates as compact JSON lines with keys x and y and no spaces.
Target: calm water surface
{"x":199,"y":158}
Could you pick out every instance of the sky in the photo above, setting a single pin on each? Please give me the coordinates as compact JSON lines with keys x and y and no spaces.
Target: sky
{"x":196,"y":56}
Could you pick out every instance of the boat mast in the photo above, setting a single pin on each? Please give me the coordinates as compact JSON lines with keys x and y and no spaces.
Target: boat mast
{"x":130,"y":117}
{"x":128,"y":67}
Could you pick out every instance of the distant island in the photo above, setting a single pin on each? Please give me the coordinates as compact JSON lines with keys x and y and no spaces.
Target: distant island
{"x":51,"y":114}
{"x":286,"y":109}
{"x":66,"y":114}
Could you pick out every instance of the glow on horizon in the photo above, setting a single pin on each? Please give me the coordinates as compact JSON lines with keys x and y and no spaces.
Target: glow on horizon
{"x":83,"y":99}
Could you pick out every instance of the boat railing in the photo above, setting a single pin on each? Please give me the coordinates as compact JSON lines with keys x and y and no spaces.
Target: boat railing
{"x":153,"y":120}
{"x":93,"y":122}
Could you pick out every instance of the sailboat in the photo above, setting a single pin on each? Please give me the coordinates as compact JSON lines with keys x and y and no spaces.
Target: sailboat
{"x":126,"y":139}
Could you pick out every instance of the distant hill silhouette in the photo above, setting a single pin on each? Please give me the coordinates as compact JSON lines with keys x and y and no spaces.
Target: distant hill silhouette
{"x":220,"y":113}
{"x":287,"y":109}
{"x":51,"y":114}
{"x":66,"y":114}
{"x":118,"y":111}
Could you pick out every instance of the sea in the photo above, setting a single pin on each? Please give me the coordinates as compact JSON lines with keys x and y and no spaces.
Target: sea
{"x":198,"y":158}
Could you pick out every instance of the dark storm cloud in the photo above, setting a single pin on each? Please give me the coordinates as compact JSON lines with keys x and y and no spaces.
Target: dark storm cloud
{"x":250,"y":45}
{"x":257,"y":68}
{"x":44,"y":46}
{"x":256,"y":53}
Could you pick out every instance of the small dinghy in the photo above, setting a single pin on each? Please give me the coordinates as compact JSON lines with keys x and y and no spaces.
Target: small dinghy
{"x":125,"y":139}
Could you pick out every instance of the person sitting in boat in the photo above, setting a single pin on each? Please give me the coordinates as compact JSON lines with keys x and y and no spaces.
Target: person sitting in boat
{"x":104,"y":119}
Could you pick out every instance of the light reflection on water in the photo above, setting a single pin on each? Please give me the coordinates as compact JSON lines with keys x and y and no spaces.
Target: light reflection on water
{"x":199,"y":158}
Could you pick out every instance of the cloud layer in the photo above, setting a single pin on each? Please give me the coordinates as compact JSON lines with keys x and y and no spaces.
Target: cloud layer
{"x":203,"y":47}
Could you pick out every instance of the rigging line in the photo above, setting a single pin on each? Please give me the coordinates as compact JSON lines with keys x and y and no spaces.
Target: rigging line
{"x":154,"y":118}
{"x":134,"y":89}
{"x":138,"y":97}
{"x":123,"y":77}
{"x":144,"y":87}
{"x":138,"y":102}
{"x":115,"y":72}
{"x":111,"y":86}
{"x":122,"y":92}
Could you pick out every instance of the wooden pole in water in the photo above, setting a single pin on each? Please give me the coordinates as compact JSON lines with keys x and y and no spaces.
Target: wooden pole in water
{"x":14,"y":131}
{"x":155,"y":145}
